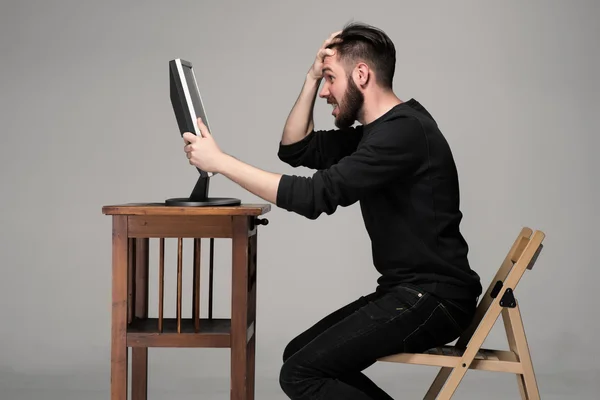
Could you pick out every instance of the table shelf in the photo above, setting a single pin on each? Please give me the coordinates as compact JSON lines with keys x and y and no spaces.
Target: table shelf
{"x":214,"y":332}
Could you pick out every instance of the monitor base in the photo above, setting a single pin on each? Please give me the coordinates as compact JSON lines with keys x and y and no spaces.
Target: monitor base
{"x":199,"y":196}
{"x":208,"y":202}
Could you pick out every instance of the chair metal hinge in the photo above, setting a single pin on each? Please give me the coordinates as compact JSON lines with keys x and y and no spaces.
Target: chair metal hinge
{"x":508,"y":299}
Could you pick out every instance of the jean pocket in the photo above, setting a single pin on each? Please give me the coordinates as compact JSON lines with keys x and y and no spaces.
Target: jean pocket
{"x":414,"y":293}
{"x":459,"y":323}
{"x":408,"y":295}
{"x":437,"y":329}
{"x":393,"y":304}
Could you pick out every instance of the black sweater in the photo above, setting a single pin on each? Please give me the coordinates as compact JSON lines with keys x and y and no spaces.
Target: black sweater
{"x":401,"y":170}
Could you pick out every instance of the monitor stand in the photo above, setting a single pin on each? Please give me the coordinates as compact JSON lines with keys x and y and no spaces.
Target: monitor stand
{"x":199,"y":197}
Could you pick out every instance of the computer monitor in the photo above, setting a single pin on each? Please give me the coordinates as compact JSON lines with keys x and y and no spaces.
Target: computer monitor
{"x":188,"y":106}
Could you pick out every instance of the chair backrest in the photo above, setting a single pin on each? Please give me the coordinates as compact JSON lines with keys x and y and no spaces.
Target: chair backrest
{"x":522,"y":255}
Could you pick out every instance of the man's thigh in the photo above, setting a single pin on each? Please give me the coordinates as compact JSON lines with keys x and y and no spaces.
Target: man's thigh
{"x":405,"y":319}
{"x":322,"y":325}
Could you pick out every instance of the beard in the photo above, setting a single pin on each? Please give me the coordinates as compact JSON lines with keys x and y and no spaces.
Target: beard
{"x":350,"y":106}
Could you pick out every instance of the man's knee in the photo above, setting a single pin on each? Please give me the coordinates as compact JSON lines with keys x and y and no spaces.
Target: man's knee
{"x":298,"y":379}
{"x":292,"y":347}
{"x":289,"y":379}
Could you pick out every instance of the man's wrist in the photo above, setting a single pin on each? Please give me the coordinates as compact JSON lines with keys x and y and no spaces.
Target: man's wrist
{"x":224,"y":163}
{"x":310,"y":79}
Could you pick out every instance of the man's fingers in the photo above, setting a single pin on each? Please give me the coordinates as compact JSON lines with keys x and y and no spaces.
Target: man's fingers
{"x":324,"y":53}
{"x":331,"y":37}
{"x":203,"y":129}
{"x":334,"y":41}
{"x":329,"y":42}
{"x":189,"y":137}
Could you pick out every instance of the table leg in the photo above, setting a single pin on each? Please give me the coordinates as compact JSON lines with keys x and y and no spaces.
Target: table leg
{"x":239,"y":313}
{"x":139,"y":355}
{"x":250,"y":356}
{"x":139,"y":373}
{"x":119,"y":353}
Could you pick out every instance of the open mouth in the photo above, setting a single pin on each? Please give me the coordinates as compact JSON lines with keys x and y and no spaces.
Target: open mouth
{"x":334,"y":105}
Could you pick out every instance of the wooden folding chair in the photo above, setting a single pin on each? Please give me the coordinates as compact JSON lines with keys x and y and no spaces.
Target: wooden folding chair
{"x":467,"y":353}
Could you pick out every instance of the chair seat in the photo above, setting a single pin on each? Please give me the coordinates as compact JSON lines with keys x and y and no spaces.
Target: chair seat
{"x":450,"y":356}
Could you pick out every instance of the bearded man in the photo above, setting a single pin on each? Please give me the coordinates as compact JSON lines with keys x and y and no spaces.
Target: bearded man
{"x":398,"y":166}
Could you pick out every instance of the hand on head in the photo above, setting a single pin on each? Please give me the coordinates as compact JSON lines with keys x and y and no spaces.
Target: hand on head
{"x":316,"y":70}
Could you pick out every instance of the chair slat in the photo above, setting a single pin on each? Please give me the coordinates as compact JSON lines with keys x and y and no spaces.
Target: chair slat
{"x":490,"y":360}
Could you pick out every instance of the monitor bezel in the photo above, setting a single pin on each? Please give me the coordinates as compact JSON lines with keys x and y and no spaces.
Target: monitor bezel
{"x":180,"y":64}
{"x":191,"y":115}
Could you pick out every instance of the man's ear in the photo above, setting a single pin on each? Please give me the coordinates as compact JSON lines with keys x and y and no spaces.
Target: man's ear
{"x":362,"y":74}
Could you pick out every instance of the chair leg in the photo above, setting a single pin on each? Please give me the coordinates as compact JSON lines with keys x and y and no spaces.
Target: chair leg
{"x":438,"y":383}
{"x":512,"y":344}
{"x":521,"y":385}
{"x":474,"y":346}
{"x":518,"y":330}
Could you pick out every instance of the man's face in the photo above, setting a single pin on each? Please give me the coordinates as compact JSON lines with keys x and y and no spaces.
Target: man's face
{"x":340,"y":90}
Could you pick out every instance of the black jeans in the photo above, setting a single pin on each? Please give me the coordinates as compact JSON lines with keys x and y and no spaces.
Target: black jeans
{"x":325,"y":362}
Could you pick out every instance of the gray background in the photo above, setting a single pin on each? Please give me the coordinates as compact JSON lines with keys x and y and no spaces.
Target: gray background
{"x":86,"y":121}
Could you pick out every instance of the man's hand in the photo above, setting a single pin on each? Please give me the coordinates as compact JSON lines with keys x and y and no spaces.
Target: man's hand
{"x":202,"y":151}
{"x":316,"y":71}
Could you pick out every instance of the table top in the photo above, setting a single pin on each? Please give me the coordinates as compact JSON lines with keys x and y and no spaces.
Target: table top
{"x":162,"y":209}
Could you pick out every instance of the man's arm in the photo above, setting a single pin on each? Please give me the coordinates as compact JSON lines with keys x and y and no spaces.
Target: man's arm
{"x":261,"y":183}
{"x":391,"y":154}
{"x":321,"y":149}
{"x":300,"y":121}
{"x":396,"y":152}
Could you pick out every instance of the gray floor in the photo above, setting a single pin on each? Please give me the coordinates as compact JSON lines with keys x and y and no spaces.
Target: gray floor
{"x":405,"y":385}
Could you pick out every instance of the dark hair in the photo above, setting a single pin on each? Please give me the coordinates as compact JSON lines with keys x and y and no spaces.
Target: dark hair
{"x":362,"y":42}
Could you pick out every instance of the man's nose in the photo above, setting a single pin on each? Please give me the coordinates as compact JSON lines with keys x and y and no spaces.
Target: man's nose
{"x":324,"y":92}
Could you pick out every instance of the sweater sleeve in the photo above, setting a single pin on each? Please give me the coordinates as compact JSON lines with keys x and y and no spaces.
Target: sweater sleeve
{"x":394,"y":151}
{"x":321,"y":149}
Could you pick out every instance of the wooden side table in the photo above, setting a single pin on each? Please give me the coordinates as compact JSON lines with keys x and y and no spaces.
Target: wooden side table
{"x":134,"y":225}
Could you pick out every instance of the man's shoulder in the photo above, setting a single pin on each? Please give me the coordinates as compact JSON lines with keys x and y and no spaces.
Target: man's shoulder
{"x":410,"y":118}
{"x":397,"y":126}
